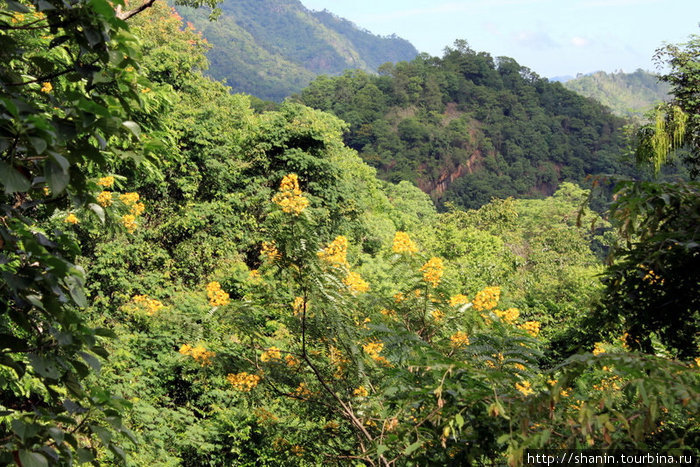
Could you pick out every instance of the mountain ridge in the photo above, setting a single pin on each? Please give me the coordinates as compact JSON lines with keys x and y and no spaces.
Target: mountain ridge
{"x":274,"y":48}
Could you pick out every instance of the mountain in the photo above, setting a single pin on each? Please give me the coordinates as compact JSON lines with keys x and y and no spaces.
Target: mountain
{"x":467,"y":127}
{"x":273,"y":48}
{"x":627,"y":94}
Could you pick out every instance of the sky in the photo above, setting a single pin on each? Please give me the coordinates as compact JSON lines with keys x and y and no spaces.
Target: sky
{"x":551,"y":37}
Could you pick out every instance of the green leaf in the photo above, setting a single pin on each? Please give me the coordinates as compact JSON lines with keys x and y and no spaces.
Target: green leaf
{"x":12,"y":180}
{"x":32,"y":459}
{"x":92,"y":361}
{"x":97,"y":209}
{"x":133,"y":127}
{"x":381,"y":449}
{"x":43,"y":366}
{"x":38,"y":144}
{"x":411,"y":448}
{"x":56,"y":177}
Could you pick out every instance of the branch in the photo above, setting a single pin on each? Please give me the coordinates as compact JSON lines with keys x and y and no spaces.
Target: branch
{"x":124,"y":15}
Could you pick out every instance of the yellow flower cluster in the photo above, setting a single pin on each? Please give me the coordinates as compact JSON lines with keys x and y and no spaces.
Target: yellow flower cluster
{"x":129,"y":198}
{"x":598,"y":348}
{"x":459,"y":339}
{"x":269,"y":251}
{"x":291,"y":360}
{"x":487,"y":299}
{"x":217,"y":297}
{"x":290,"y":197}
{"x":509,"y":316}
{"x":199,"y":353}
{"x":606,"y":384}
{"x":129,"y":222}
{"x":373,"y":349}
{"x":273,"y":353}
{"x":243,"y":381}
{"x":151,"y":305}
{"x":106,"y":182}
{"x":336,"y":253}
{"x":388,"y":313}
{"x":71,"y":219}
{"x":356,"y":283}
{"x":525,"y":388}
{"x":298,"y":306}
{"x":339,"y":361}
{"x":459,"y":299}
{"x":437,"y":315}
{"x":104,"y":199}
{"x":432,"y":271}
{"x":532,"y":327}
{"x":360,"y":392}
{"x":403,"y":244}
{"x":302,"y":390}
{"x":46,"y":87}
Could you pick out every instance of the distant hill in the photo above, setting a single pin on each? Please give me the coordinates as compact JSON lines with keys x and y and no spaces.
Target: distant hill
{"x":273,"y":48}
{"x":627,"y":94}
{"x":467,"y":127}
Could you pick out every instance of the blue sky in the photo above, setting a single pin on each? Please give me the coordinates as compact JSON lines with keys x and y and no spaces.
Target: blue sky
{"x":551,"y":37}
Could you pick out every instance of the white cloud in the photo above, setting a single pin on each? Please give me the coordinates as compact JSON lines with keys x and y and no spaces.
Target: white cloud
{"x":534,"y":39}
{"x":579,"y":41}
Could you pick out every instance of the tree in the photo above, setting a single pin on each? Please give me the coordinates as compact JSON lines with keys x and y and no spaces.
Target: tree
{"x":73,"y":105}
{"x":652,"y":287}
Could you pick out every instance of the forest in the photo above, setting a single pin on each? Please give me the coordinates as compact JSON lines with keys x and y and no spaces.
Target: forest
{"x":192,"y":278}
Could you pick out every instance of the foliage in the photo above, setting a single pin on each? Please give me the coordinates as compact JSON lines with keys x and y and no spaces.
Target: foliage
{"x":274,"y":48}
{"x":627,"y":94}
{"x":466,"y":127}
{"x":274,"y":302}
{"x":651,"y":285}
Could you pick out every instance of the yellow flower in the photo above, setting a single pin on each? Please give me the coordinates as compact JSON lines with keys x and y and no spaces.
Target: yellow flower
{"x":437,"y":315}
{"x":291,"y":360}
{"x":290,"y":197}
{"x":697,"y":361}
{"x":104,"y":199}
{"x":459,"y":299}
{"x":273,"y":353}
{"x":302,"y":390}
{"x":217,"y":297}
{"x":459,"y":339}
{"x":509,"y":316}
{"x":269,"y":251}
{"x":360,"y":392}
{"x":106,"y":182}
{"x":403,"y":244}
{"x":487,"y":299}
{"x":199,"y":353}
{"x":336,"y":252}
{"x":46,"y":87}
{"x":254,"y":274}
{"x":151,"y":305}
{"x":297,"y":450}
{"x":598,"y":349}
{"x":373,"y":349}
{"x":243,"y":381}
{"x":298,"y":306}
{"x":355,"y":283}
{"x":137,"y":209}
{"x":532,"y":328}
{"x":129,"y":198}
{"x":399,"y":297}
{"x":432,"y":271}
{"x":71,"y":219}
{"x":524,"y":388}
{"x":129,"y":222}
{"x":388,"y":313}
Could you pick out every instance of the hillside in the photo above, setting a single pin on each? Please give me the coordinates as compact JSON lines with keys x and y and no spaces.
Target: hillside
{"x":273,"y":48}
{"x":627,"y":94}
{"x":467,"y":127}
